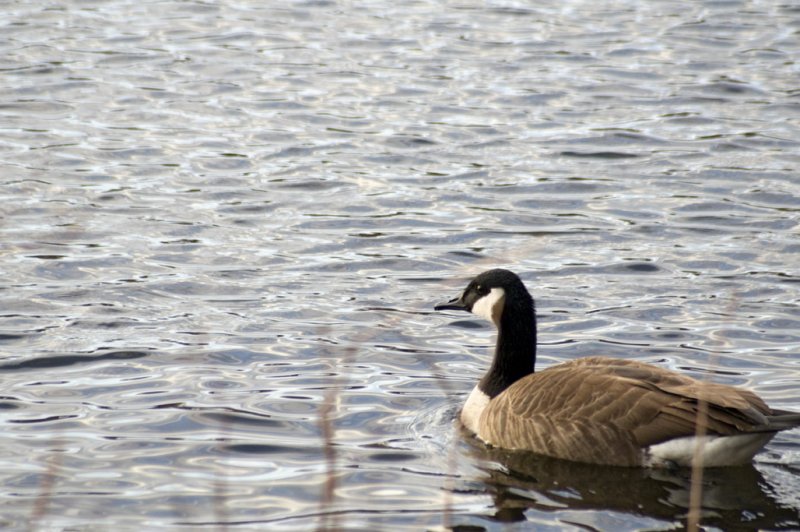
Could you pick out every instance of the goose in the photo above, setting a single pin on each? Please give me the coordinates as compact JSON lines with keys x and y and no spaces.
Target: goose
{"x":601,"y":410}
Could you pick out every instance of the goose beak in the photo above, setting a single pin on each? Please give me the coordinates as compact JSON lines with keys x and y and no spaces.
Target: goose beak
{"x":454,"y":304}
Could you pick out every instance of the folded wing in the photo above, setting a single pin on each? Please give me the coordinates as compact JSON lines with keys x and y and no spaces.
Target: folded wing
{"x":607,"y":411}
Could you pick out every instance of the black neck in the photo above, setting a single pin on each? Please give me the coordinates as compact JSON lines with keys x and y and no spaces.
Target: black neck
{"x":515,"y":353}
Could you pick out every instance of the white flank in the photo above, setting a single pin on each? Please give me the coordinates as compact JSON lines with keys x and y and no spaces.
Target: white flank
{"x":716,"y":451}
{"x":473,"y":408}
{"x":484,"y":307}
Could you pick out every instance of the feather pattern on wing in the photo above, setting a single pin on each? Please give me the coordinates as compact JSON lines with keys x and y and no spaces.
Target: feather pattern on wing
{"x":607,"y":411}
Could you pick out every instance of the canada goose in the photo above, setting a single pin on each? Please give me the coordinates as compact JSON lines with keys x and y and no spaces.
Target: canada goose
{"x":600,"y":410}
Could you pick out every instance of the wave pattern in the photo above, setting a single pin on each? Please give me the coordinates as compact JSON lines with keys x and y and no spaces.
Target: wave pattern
{"x":224,"y":227}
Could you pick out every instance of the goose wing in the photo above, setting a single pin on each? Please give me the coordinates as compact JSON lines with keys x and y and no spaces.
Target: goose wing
{"x":607,"y":411}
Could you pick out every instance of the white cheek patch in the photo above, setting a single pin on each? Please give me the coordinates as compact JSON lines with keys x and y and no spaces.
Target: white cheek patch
{"x":489,"y":307}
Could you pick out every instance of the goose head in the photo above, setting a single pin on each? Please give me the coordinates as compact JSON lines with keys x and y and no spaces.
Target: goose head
{"x":500,"y":296}
{"x":489,"y":294}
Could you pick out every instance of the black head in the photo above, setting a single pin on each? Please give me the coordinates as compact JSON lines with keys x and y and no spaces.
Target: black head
{"x":488,"y":293}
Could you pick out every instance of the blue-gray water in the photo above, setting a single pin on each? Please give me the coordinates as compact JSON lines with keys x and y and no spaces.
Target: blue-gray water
{"x":225,"y":224}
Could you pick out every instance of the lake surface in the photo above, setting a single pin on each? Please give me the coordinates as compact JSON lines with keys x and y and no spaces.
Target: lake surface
{"x":225,"y":225}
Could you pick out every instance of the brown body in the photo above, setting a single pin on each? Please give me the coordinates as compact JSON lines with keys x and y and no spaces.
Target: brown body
{"x":610,"y":411}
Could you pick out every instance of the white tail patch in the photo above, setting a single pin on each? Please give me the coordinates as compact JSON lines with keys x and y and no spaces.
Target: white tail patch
{"x":716,"y":451}
{"x":473,"y":408}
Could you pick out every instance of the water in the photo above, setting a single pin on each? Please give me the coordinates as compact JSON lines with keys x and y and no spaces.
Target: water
{"x":224,"y":226}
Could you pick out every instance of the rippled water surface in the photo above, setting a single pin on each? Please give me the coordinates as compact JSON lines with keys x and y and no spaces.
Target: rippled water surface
{"x":225,"y":224}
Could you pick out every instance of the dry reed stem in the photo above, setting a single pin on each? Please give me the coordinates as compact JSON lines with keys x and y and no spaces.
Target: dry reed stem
{"x":696,"y":486}
{"x":45,"y":494}
{"x":329,"y":519}
{"x":442,"y":382}
{"x":701,"y":429}
{"x":221,"y":483}
{"x":452,"y":462}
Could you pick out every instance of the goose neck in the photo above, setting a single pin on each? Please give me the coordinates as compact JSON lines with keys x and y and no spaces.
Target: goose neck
{"x":515,"y":351}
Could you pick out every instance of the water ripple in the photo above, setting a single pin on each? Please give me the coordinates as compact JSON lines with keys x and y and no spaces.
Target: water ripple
{"x":225,"y":226}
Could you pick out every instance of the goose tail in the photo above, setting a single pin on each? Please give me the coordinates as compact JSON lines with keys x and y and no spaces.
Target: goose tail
{"x":783,"y":420}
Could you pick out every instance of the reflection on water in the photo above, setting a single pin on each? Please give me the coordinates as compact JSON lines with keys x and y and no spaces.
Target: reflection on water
{"x":224,"y":227}
{"x":603,"y":498}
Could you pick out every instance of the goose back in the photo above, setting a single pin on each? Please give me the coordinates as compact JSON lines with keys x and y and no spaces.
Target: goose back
{"x":609,"y":411}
